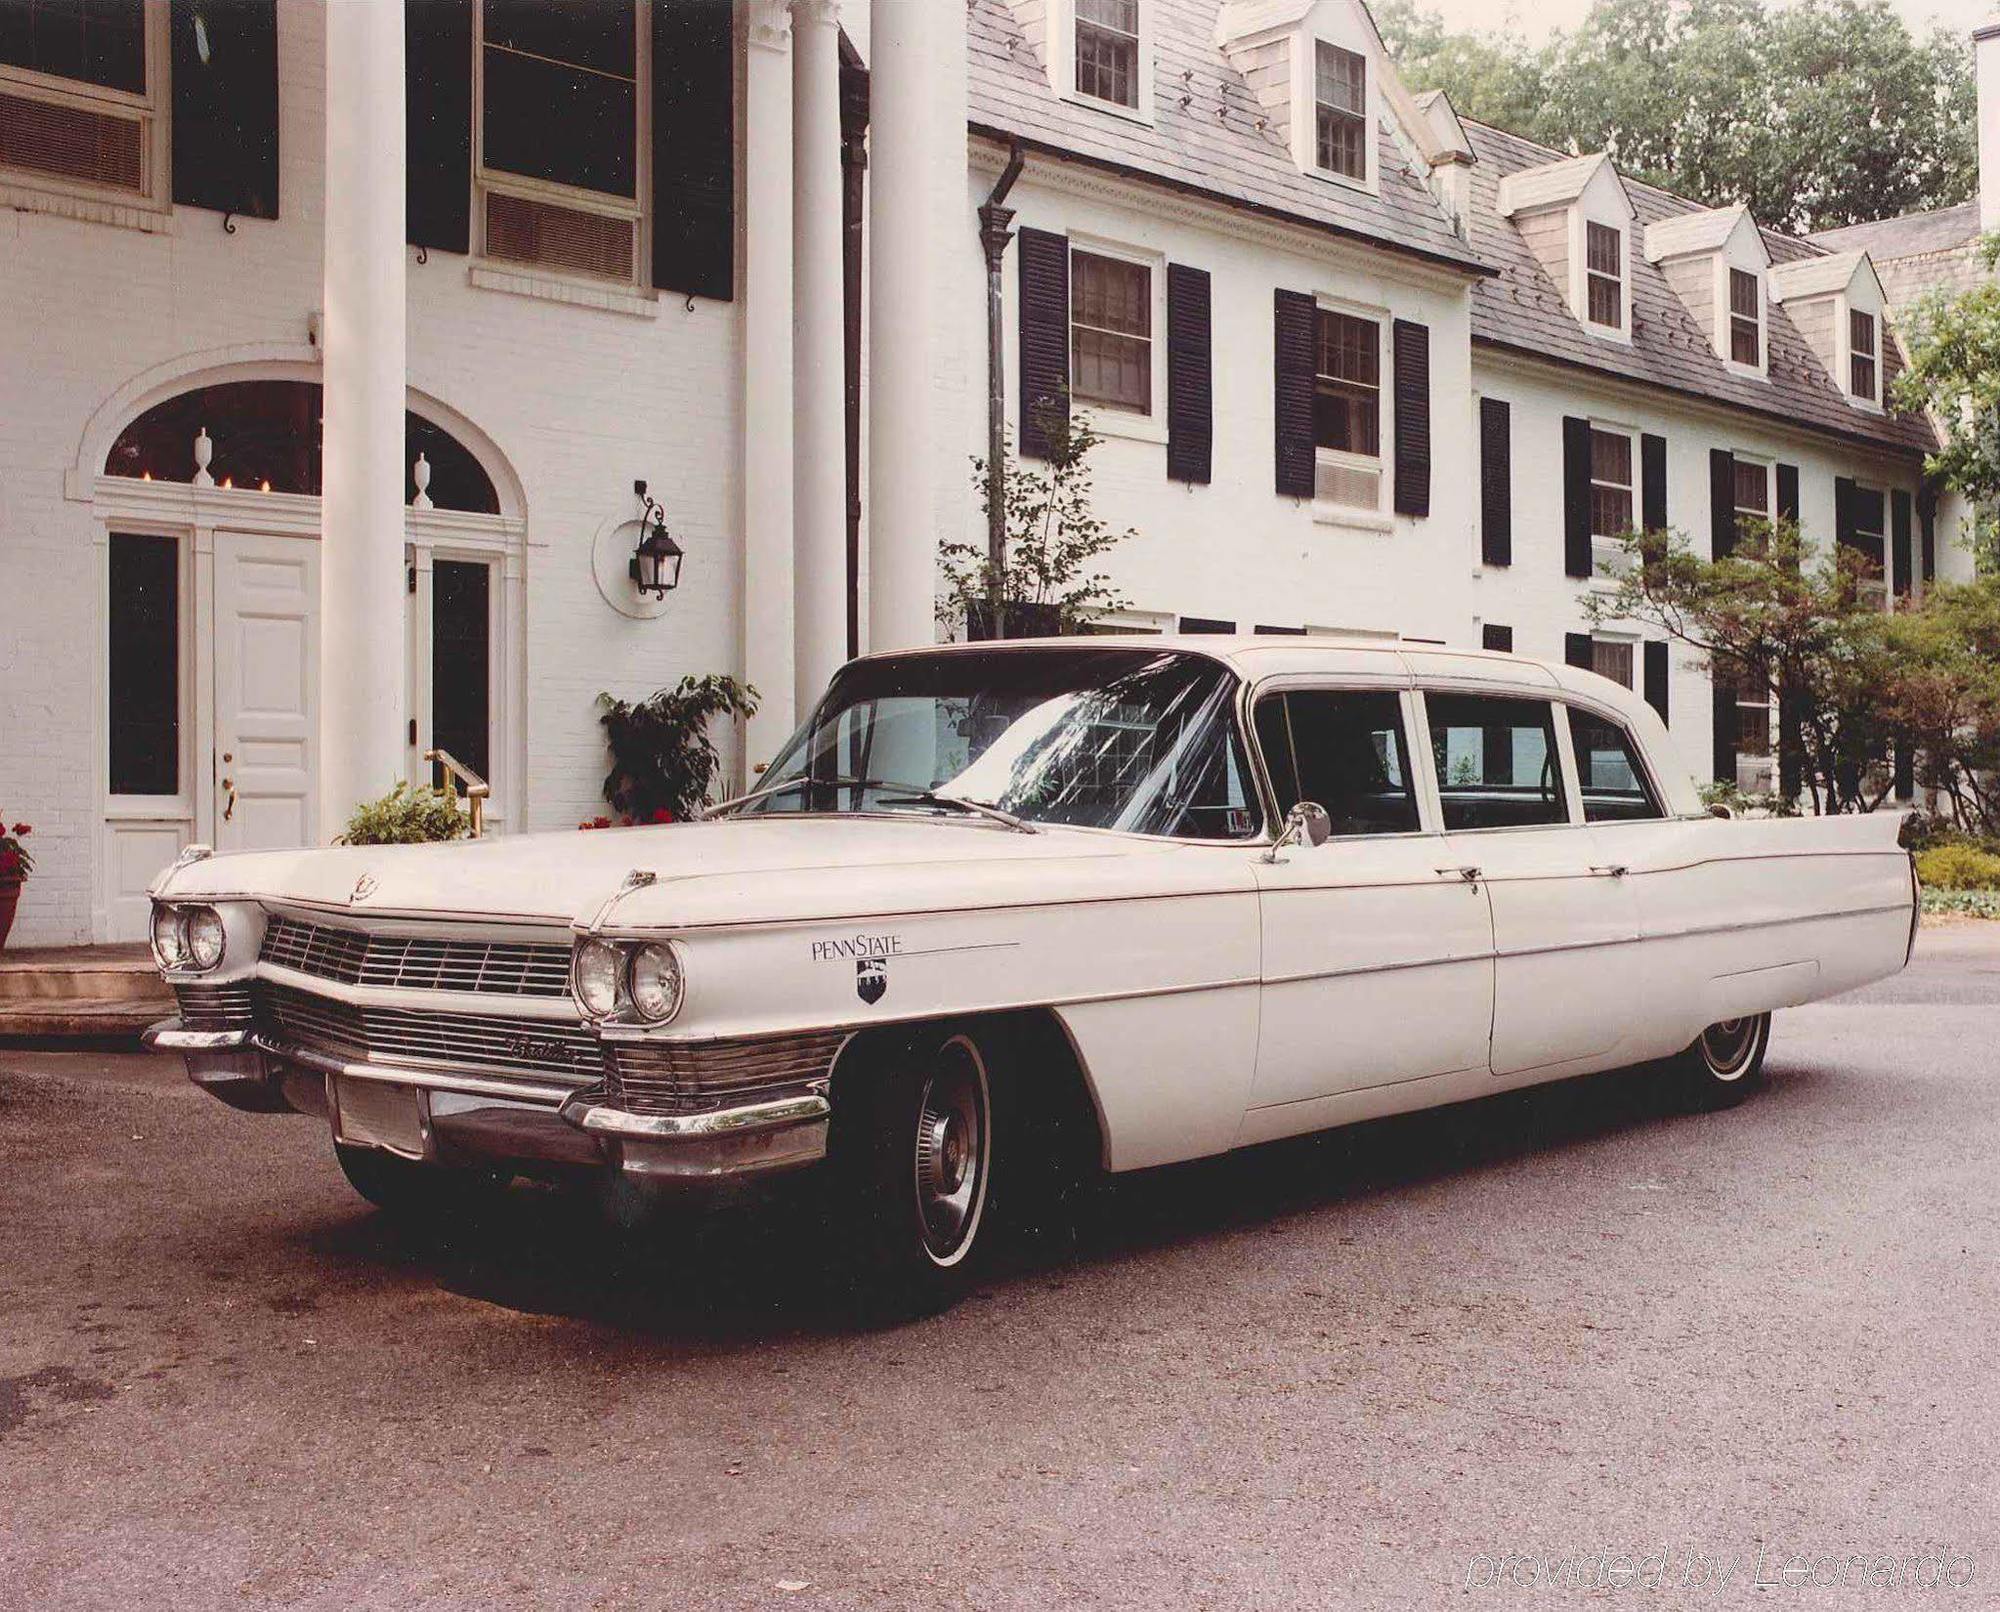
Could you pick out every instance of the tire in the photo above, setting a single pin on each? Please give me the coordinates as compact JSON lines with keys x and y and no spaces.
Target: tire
{"x":1725,"y":1063}
{"x":409,"y":1190}
{"x":913,"y":1155}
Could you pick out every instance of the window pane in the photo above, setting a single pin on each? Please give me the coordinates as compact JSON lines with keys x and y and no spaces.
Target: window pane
{"x":1122,"y":15}
{"x":1346,"y":752}
{"x":1341,"y":78}
{"x":1350,"y":349}
{"x":1601,"y":250}
{"x":1867,"y":508}
{"x":1743,"y":295}
{"x":1496,"y":761}
{"x":461,"y":662}
{"x":1861,"y":376}
{"x":1341,"y":143}
{"x":1111,"y":369}
{"x":99,"y":42}
{"x":145,"y":688}
{"x":1612,"y":658}
{"x":1107,"y":55}
{"x":561,"y":95}
{"x":1614,"y":784}
{"x":596,"y":34}
{"x":1111,"y":349}
{"x":1611,"y":457}
{"x":1745,"y":338}
{"x":1861,"y":332}
{"x":1347,"y":419}
{"x":1606,"y":301}
{"x":1753,"y":488}
{"x":1610,"y":511}
{"x":1111,"y":294}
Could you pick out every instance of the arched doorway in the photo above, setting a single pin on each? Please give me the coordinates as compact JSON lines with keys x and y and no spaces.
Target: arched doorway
{"x":209,"y":499}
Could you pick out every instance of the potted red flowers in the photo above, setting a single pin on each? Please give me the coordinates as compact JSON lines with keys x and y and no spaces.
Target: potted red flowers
{"x":15,"y":866}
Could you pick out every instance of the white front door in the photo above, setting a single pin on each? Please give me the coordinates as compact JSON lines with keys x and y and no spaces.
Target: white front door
{"x":266,"y":691}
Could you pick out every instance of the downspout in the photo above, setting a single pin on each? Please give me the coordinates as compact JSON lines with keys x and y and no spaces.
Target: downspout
{"x":853,"y":196}
{"x":996,"y":229}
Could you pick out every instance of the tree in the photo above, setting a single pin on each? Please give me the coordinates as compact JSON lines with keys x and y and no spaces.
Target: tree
{"x":1053,"y":536}
{"x":1814,"y":114}
{"x":1953,"y":342}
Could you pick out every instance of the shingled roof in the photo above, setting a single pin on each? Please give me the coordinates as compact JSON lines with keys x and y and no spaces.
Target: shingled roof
{"x":1525,"y":311}
{"x":1209,"y":134}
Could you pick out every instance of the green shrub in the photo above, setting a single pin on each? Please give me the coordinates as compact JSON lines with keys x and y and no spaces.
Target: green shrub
{"x":407,"y":816}
{"x":1968,"y":903}
{"x":663,"y":760}
{"x":1958,"y":867}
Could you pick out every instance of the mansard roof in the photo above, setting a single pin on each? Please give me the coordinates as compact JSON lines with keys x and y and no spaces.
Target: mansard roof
{"x":1523,"y":311}
{"x":1209,"y":135}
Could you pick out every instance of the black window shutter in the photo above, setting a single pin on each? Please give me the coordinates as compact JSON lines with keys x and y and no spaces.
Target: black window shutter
{"x":1725,"y":730}
{"x":1656,"y":676}
{"x":1791,"y":747}
{"x":1494,"y":636}
{"x":1206,"y":624}
{"x":1412,"y":360}
{"x":1788,"y":493}
{"x":1294,"y":316}
{"x":1496,"y":482}
{"x":1044,"y":333}
{"x":1905,"y":775}
{"x":1652,"y":484}
{"x":1899,"y":540}
{"x":437,"y":53}
{"x":1577,"y":650}
{"x":1190,"y":397}
{"x":1721,"y":503}
{"x":1576,"y":496}
{"x":225,"y":105}
{"x":1927,"y":532}
{"x":694,"y":147}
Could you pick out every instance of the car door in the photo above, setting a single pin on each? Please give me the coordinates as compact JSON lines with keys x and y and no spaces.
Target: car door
{"x":1377,"y":964}
{"x":1564,"y":919}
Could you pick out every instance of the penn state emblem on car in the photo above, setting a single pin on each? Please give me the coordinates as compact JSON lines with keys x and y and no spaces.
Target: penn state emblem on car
{"x":871,"y":978}
{"x":364,"y":887}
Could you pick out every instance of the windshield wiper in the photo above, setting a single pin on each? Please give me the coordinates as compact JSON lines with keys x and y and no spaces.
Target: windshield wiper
{"x":930,"y":797}
{"x":906,"y":795}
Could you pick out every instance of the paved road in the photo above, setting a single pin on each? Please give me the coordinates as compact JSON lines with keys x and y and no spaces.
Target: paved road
{"x":1350,"y":1372}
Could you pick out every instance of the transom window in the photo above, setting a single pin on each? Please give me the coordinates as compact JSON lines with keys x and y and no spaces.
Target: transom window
{"x":1343,"y":750}
{"x":1608,"y":770}
{"x":1340,"y":110}
{"x":1746,"y":318}
{"x":1861,"y":354}
{"x":1612,"y":658}
{"x":1107,"y":51}
{"x":1111,"y":332}
{"x":74,"y":100}
{"x":1610,"y":495}
{"x":1752,"y":481}
{"x":1347,"y":409}
{"x":1496,"y":761}
{"x":1604,"y":275}
{"x":559,"y":135}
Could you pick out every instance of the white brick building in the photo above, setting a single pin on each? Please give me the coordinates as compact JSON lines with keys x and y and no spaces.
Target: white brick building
{"x":623,"y":262}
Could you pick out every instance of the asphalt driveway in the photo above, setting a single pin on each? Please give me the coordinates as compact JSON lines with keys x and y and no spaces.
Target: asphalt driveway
{"x":1433,"y":1361}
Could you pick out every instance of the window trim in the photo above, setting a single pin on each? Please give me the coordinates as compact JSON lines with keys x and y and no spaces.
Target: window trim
{"x":1642,"y":762}
{"x":1381,"y":463}
{"x":1845,"y":314}
{"x":1628,"y":641}
{"x":638,"y":210}
{"x":149,"y":109}
{"x":1109,"y":419}
{"x":1309,"y":149}
{"x":1623,"y":235}
{"x":1882,"y":582}
{"x":1728,"y":318}
{"x":1769,"y":513}
{"x":1605,"y":550}
{"x":1062,"y":22}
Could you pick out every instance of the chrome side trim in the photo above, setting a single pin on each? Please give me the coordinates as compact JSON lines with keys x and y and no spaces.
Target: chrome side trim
{"x":582,"y":1111}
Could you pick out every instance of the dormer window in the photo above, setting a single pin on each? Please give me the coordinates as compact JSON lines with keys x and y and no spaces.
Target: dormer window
{"x":1604,"y":275}
{"x":1746,"y":318}
{"x":1107,"y":51}
{"x":1861,"y":355}
{"x":1340,"y":110}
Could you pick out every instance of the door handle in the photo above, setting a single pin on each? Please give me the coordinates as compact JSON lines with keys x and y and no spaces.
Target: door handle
{"x":229,"y":810}
{"x":1611,"y":870}
{"x":1469,"y":874}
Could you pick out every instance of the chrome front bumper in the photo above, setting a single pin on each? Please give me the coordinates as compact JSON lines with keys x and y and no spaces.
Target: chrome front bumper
{"x":496,"y":1119}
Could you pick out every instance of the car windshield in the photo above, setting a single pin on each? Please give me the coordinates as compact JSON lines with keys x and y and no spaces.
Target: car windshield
{"x":1138,"y":740}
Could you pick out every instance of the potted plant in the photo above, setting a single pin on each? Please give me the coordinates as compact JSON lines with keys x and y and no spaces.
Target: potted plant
{"x":407,"y":816}
{"x":663,"y":758}
{"x":15,"y":866}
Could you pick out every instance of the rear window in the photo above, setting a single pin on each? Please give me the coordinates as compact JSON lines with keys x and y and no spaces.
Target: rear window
{"x":1496,"y":761}
{"x":1608,"y":769}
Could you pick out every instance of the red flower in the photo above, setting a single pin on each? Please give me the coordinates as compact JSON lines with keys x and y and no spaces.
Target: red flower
{"x":22,"y":828}
{"x":662,"y":815}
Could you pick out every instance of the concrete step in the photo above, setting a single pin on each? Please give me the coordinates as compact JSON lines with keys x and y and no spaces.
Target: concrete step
{"x":78,"y":1018}
{"x":54,"y":974}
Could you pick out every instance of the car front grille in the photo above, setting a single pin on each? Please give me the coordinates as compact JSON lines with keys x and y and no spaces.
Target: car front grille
{"x":669,"y":1077}
{"x":418,"y":963}
{"x":564,"y":1056}
{"x":215,"y":1007}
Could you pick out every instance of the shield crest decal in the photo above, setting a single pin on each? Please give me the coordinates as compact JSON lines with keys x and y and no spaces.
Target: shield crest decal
{"x":871,"y":978}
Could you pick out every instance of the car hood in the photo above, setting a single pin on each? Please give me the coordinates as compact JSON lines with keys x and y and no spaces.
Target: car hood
{"x":742,"y":869}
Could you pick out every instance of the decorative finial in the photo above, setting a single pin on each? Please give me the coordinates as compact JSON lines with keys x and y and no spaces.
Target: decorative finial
{"x":204,"y":451}
{"x":420,"y":473}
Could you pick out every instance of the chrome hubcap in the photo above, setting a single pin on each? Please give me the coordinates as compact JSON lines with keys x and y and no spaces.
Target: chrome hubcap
{"x":951,"y":1151}
{"x":1728,"y":1046}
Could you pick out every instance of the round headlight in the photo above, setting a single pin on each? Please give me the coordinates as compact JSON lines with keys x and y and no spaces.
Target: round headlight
{"x":204,"y":937}
{"x":656,"y":983}
{"x":169,"y":950}
{"x":598,"y":966}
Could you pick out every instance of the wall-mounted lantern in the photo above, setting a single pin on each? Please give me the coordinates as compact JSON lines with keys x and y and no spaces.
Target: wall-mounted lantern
{"x":656,"y":562}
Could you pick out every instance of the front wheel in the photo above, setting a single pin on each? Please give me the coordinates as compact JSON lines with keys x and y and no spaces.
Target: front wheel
{"x":1725,"y":1063}
{"x":913,"y":1152}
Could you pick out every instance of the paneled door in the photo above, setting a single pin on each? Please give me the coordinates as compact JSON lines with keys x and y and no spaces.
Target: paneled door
{"x":266,"y":691}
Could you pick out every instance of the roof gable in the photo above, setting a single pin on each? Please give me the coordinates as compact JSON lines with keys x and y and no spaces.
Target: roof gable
{"x":1822,"y":276}
{"x":1557,"y":184}
{"x":1717,"y":229}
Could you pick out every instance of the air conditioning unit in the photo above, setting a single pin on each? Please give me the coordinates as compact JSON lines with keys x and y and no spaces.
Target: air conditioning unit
{"x":63,"y":140}
{"x":522,"y":230}
{"x":1351,"y":485}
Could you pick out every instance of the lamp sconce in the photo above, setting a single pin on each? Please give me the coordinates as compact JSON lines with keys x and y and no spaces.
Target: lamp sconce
{"x":656,"y":562}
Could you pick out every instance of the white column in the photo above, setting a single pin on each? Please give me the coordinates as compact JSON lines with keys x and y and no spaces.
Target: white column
{"x":767,"y":378}
{"x":362,"y":631}
{"x":819,"y":481}
{"x":1986,"y":62}
{"x":921,"y":241}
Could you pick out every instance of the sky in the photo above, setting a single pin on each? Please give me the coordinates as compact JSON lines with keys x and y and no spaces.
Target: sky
{"x":1535,"y":18}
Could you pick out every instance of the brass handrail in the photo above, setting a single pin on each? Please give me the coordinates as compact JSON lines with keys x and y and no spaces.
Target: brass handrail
{"x":476,"y":787}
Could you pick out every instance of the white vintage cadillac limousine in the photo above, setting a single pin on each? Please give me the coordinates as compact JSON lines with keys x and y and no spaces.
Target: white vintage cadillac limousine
{"x":1184,"y":894}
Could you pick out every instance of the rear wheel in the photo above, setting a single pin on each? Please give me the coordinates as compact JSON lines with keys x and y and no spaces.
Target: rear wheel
{"x":913,"y":1152}
{"x":412,"y":1190}
{"x":1725,"y":1063}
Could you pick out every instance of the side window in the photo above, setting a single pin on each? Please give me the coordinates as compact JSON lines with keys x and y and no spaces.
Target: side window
{"x":1497,"y":763}
{"x":1345,"y":750}
{"x":1613,"y":779}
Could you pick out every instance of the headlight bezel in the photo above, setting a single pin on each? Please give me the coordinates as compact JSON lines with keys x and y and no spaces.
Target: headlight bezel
{"x":173,"y":925}
{"x":590,"y":952}
{"x":195,"y":924}
{"x":168,"y":930}
{"x":662,"y":957}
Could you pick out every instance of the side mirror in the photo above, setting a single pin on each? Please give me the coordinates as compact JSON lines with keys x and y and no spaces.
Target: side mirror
{"x":1306,"y":824}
